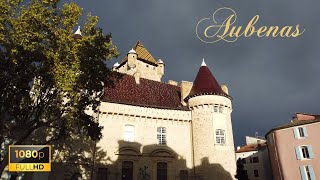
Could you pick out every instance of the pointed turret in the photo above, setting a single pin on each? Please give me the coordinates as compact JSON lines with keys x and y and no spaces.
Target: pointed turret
{"x":211,"y":111}
{"x":77,"y":34}
{"x":205,"y":83}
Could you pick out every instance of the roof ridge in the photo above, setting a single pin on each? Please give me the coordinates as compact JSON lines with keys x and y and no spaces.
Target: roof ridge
{"x":143,"y":54}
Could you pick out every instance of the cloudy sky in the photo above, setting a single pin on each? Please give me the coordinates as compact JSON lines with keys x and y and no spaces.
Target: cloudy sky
{"x":269,"y":78}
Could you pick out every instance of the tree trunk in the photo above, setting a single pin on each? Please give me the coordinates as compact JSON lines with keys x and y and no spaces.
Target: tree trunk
{"x":4,"y":163}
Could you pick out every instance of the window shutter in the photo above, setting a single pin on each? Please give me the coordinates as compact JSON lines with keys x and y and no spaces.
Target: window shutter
{"x":298,"y":154}
{"x":310,"y":151}
{"x":311,"y":173}
{"x":305,"y":132}
{"x":303,"y":173}
{"x":296,"y":133}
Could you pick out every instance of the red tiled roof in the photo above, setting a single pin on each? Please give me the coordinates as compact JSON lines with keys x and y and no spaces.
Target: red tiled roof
{"x":147,"y":93}
{"x":205,"y":83}
{"x":305,"y":116}
{"x":251,"y":147}
{"x":293,"y":124}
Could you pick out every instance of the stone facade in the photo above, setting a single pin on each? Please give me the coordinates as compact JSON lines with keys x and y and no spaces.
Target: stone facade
{"x":198,"y":128}
{"x":159,"y":131}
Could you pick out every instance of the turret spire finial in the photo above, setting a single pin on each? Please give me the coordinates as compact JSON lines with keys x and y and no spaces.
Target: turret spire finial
{"x":78,"y":31}
{"x":203,"y":63}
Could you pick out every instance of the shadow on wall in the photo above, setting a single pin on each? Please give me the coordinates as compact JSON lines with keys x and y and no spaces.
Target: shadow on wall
{"x":83,"y":160}
{"x":216,"y":171}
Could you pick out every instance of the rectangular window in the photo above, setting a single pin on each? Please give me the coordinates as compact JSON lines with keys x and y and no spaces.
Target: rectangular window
{"x":243,"y":160}
{"x":129,"y":133}
{"x":220,"y":109}
{"x":307,"y":173}
{"x":255,"y":159}
{"x":305,"y":152}
{"x":215,"y":109}
{"x":300,"y":132}
{"x":127,"y":170}
{"x":220,"y":136}
{"x":256,"y":173}
{"x":162,"y":171}
{"x":245,"y":172}
{"x":161,"y":135}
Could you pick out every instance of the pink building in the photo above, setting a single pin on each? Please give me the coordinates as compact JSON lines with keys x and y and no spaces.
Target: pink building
{"x":294,"y":149}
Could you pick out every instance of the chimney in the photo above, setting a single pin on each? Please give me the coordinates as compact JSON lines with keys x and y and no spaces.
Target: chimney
{"x":172,"y":82}
{"x":225,"y":89}
{"x":137,"y":77}
{"x":186,"y":87}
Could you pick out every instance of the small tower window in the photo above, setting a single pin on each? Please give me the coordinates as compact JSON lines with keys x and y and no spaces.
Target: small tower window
{"x":215,"y":109}
{"x":220,"y":136}
{"x":221,"y":109}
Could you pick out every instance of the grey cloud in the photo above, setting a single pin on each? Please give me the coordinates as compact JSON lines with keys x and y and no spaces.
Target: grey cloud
{"x":269,"y":79}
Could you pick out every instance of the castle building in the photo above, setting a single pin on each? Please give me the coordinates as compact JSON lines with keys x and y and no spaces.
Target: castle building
{"x":156,"y":130}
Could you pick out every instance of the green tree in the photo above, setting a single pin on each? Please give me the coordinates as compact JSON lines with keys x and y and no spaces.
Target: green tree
{"x":47,"y":76}
{"x":241,"y":172}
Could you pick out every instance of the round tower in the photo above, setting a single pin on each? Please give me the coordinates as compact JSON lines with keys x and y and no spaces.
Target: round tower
{"x":213,"y":146}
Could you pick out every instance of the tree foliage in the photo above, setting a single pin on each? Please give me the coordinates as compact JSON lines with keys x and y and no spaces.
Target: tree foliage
{"x":241,"y":172}
{"x":47,"y":77}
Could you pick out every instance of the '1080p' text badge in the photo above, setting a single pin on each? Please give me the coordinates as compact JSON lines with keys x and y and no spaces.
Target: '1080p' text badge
{"x":30,"y":158}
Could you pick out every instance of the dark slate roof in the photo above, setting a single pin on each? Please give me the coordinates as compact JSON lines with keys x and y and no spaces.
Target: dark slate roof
{"x":143,"y":55}
{"x":148,"y":93}
{"x":293,"y":124}
{"x":205,"y":83}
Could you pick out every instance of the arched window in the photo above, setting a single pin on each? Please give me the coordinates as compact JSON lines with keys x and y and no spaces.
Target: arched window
{"x":127,"y":170}
{"x":220,"y":136}
{"x":128,"y":133}
{"x":162,"y":171}
{"x":161,"y":135}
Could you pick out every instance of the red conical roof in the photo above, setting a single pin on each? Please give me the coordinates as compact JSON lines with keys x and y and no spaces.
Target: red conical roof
{"x":205,"y":83}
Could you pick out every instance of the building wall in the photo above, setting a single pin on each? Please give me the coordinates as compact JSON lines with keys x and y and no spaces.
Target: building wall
{"x":282,"y":144}
{"x":254,"y":140}
{"x":263,"y":166}
{"x":145,"y":149}
{"x":146,"y":71}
